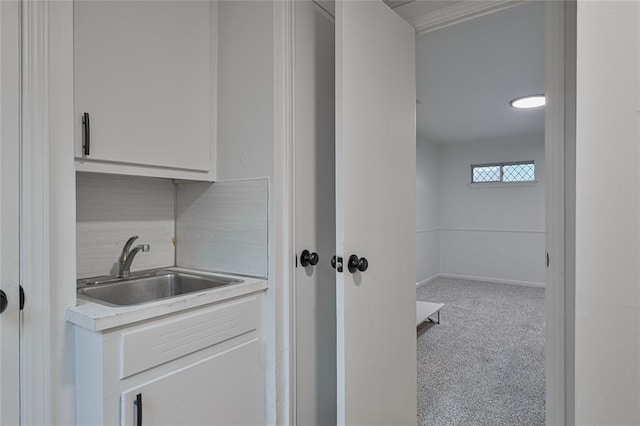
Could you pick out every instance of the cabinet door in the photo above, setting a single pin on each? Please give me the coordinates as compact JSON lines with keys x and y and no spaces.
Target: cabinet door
{"x":224,"y":389}
{"x":375,"y":204}
{"x":143,"y":74}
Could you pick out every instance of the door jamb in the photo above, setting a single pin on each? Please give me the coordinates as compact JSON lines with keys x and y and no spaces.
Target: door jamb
{"x":560,"y":152}
{"x":284,"y":193}
{"x":10,"y":124}
{"x":48,"y":216}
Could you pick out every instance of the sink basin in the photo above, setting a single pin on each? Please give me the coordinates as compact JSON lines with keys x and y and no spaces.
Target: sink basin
{"x":149,"y":288}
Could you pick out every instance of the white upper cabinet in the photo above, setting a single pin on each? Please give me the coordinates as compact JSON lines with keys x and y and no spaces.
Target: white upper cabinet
{"x":144,"y":73}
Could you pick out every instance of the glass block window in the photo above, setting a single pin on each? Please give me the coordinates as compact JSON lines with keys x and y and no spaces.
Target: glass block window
{"x":524,"y":171}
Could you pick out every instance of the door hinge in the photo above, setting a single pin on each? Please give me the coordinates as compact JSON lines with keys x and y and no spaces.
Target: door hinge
{"x":547,"y":259}
{"x":21,"y":298}
{"x":296,"y":260}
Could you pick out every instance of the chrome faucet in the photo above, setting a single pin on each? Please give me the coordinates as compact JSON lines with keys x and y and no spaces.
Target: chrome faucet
{"x":126,"y":257}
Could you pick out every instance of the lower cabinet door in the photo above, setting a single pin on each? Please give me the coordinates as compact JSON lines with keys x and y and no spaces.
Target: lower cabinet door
{"x":225,"y":389}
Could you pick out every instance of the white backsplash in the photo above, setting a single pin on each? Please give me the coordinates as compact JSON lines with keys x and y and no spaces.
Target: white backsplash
{"x":112,"y":208}
{"x":223,"y":226}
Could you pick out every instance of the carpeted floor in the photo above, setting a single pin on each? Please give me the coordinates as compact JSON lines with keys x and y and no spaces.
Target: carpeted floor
{"x":484,"y":364}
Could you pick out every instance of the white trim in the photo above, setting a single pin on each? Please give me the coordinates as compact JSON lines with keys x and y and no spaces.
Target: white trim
{"x":457,"y":13}
{"x":36,"y":354}
{"x":10,"y":177}
{"x":560,"y":75}
{"x":48,"y":213}
{"x":284,"y":190}
{"x":328,"y":7}
{"x":509,"y":231}
{"x":492,"y":280}
{"x":477,"y":185}
{"x":61,"y":180}
{"x":423,"y":231}
{"x":244,"y":179}
{"x":426,"y":281}
{"x":213,"y":91}
{"x":94,"y":166}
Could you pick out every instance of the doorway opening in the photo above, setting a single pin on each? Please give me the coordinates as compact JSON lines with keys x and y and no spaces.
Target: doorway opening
{"x":558,"y":146}
{"x":480,"y":228}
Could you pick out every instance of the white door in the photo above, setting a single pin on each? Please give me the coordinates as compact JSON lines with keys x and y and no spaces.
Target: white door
{"x":375,"y":204}
{"x":9,"y":212}
{"x":315,"y":290}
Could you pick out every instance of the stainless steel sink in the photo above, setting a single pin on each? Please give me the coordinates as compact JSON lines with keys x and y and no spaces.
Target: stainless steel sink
{"x":148,"y":288}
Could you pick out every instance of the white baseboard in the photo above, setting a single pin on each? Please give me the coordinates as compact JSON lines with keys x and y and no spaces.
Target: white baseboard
{"x":491,"y":280}
{"x":427,"y":281}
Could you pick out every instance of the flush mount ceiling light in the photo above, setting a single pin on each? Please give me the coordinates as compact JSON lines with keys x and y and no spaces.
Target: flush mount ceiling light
{"x":526,"y":102}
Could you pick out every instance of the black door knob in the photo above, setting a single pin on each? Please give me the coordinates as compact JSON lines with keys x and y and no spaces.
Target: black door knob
{"x":307,"y":258}
{"x":4,"y":302}
{"x":357,"y":263}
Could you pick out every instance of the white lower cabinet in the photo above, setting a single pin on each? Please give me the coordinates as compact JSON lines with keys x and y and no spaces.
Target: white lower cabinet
{"x":200,"y":367}
{"x":217,"y":390}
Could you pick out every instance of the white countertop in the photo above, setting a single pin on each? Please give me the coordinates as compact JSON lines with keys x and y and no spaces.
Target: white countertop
{"x":97,"y":317}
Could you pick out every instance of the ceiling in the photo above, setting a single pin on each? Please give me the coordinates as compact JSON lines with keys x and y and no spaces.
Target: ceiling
{"x":467,"y":74}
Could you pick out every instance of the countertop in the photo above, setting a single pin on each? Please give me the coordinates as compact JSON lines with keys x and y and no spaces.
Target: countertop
{"x":97,"y":317}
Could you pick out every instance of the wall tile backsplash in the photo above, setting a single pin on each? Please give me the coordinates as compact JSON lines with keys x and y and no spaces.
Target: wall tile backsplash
{"x":223,"y":226}
{"x":112,"y":208}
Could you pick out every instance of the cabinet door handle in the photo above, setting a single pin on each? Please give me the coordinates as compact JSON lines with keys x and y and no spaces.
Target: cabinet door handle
{"x":86,"y":145}
{"x":138,"y":404}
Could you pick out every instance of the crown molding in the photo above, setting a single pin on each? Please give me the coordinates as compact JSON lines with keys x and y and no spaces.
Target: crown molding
{"x":328,"y":6}
{"x":459,"y":12}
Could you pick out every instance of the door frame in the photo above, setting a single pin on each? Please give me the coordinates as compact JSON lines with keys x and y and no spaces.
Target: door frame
{"x":560,"y":76}
{"x":10,"y":120}
{"x":48,"y":213}
{"x":560,"y":207}
{"x":284,"y":197}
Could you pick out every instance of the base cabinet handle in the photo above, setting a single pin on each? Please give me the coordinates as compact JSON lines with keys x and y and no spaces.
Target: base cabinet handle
{"x":138,"y":404}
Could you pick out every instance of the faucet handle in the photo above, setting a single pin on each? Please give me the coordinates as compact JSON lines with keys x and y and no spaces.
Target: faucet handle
{"x":127,"y":246}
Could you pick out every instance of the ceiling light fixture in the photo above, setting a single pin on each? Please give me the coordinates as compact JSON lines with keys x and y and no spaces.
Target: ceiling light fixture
{"x":526,"y":102}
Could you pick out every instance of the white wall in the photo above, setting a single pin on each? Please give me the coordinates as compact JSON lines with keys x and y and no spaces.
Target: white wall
{"x":223,"y":226}
{"x":246,"y":127}
{"x":491,"y":231}
{"x":112,"y":208}
{"x":427,"y":236}
{"x":245,"y":90}
{"x":607,"y":316}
